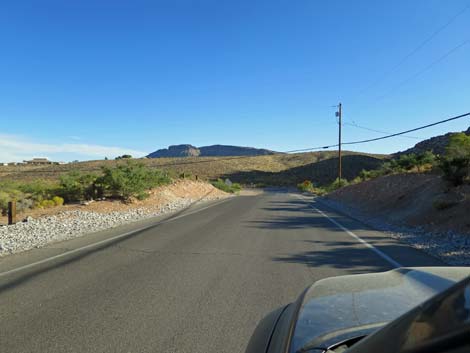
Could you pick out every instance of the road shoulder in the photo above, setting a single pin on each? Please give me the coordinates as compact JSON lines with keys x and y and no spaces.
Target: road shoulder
{"x":399,"y":251}
{"x":60,"y":251}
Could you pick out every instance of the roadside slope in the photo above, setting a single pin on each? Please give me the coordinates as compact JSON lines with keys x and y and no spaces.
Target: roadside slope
{"x":420,"y":209}
{"x":42,"y":227}
{"x":418,"y":200}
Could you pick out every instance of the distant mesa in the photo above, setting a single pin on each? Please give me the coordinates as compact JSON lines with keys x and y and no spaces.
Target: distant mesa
{"x":208,"y":151}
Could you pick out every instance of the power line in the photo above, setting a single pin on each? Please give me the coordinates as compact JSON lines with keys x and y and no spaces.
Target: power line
{"x":407,"y":131}
{"x":297,"y":150}
{"x":415,"y":50}
{"x":353,"y":124}
{"x":360,"y":141}
{"x":427,"y":68}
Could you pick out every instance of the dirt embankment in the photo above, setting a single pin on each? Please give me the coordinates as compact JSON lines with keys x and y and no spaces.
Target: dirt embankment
{"x":161,"y":197}
{"x":416,"y":200}
{"x":43,"y":227}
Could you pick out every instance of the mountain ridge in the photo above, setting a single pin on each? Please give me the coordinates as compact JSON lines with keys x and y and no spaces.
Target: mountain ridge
{"x":187,"y":150}
{"x":435,"y":144}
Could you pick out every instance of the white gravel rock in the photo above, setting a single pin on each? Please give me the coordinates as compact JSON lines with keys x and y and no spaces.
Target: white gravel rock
{"x":449,"y":247}
{"x":36,"y":233}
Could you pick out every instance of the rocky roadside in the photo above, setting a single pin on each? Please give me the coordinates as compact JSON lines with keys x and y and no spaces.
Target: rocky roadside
{"x":68,"y":224}
{"x":450,"y":247}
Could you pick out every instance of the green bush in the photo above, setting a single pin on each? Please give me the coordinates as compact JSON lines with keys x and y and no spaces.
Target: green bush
{"x":455,"y":164}
{"x":38,"y":189}
{"x":46,"y":204}
{"x":7,"y":195}
{"x":76,"y":186}
{"x":405,"y":163}
{"x":131,"y":180}
{"x":58,"y":201}
{"x":305,"y":186}
{"x":4,"y":198}
{"x":426,"y":158}
{"x":337,"y":184}
{"x":221,"y":185}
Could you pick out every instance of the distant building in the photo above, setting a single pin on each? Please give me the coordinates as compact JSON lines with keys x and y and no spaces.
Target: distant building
{"x":39,"y":161}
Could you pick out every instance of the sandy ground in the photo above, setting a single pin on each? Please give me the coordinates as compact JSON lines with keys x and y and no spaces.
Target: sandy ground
{"x":186,"y":189}
{"x":411,"y":200}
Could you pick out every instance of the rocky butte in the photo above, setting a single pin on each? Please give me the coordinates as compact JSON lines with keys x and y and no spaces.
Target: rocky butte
{"x":187,"y":150}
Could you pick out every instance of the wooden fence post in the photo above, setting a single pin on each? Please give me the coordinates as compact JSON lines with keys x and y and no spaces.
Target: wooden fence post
{"x":12,"y":212}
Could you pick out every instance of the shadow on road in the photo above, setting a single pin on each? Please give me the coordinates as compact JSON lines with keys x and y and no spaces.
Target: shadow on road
{"x":339,"y":252}
{"x":340,"y":255}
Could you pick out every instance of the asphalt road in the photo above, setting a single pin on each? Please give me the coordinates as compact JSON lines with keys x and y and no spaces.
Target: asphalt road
{"x":198,"y":283}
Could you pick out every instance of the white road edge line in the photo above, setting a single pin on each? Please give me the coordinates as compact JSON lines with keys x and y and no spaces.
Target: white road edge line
{"x":104,"y":241}
{"x":362,"y":241}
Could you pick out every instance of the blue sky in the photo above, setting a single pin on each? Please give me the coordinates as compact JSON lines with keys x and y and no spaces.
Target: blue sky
{"x":89,"y":79}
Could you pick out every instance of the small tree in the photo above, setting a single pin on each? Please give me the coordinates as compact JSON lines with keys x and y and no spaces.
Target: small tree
{"x":424,"y":159}
{"x":455,"y":164}
{"x":76,"y":186}
{"x":131,"y":180}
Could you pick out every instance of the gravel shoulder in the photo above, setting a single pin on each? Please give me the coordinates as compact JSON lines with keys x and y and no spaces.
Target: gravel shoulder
{"x":43,"y":227}
{"x":450,"y":246}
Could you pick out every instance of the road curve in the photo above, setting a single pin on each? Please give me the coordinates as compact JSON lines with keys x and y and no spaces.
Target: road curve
{"x":197,"y":284}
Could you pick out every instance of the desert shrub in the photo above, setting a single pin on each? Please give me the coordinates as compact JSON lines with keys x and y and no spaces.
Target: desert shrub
{"x":38,"y":189}
{"x":236,"y":187}
{"x":337,"y":184}
{"x":76,"y":186}
{"x":58,"y":201}
{"x":27,"y":195}
{"x":407,"y":161}
{"x":356,"y":180}
{"x":455,"y":164}
{"x":142,"y":195}
{"x":369,"y":174}
{"x":308,"y":186}
{"x":426,"y":158}
{"x":4,"y":198}
{"x":12,"y":194}
{"x":46,"y":204}
{"x":131,"y":180}
{"x":305,"y":186}
{"x":24,"y":204}
{"x":411,"y":161}
{"x":221,"y":185}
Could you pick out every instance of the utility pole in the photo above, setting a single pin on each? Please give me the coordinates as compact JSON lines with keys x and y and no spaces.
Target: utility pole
{"x":339,"y":114}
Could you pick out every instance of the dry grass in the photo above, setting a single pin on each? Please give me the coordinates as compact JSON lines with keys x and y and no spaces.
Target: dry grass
{"x":278,"y":169}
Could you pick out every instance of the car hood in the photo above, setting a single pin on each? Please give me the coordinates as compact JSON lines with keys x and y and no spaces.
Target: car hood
{"x":343,"y":307}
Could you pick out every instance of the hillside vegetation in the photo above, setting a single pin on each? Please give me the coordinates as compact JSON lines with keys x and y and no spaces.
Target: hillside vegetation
{"x":124,"y":182}
{"x":277,"y":169}
{"x":423,"y":190}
